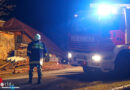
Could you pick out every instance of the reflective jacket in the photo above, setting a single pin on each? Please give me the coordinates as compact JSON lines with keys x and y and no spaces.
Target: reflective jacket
{"x":36,"y":51}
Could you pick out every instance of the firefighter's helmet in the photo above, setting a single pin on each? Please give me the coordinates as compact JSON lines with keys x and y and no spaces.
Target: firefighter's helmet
{"x":37,"y":37}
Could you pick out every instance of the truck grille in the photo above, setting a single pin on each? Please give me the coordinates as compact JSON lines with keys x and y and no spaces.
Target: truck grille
{"x":80,"y":58}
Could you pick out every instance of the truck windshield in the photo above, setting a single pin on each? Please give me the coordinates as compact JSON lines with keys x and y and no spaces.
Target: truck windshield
{"x":89,"y":35}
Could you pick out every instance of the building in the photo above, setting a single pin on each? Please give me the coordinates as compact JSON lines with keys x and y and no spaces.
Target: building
{"x":23,"y":34}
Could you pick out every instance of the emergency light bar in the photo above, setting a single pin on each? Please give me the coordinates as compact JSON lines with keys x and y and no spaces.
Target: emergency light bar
{"x":92,"y":5}
{"x":105,"y":9}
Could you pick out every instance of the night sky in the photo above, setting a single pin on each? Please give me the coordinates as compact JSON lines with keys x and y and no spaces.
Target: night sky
{"x":51,"y":16}
{"x":47,"y":16}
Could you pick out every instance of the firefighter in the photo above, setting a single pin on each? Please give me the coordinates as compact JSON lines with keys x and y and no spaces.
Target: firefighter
{"x":36,"y":51}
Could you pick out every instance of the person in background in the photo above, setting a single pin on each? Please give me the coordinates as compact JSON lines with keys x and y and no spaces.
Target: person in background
{"x":36,"y":51}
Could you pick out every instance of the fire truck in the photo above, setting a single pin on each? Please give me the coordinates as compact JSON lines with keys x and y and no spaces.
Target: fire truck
{"x":101,"y":45}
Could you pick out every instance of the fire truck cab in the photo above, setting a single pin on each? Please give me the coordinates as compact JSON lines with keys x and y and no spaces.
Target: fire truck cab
{"x":102,"y":47}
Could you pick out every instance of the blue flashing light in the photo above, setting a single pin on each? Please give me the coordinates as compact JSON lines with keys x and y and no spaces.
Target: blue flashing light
{"x":106,"y":9}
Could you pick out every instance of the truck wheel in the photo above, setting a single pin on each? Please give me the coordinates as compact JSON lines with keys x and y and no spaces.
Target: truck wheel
{"x":64,"y":61}
{"x":122,"y":63}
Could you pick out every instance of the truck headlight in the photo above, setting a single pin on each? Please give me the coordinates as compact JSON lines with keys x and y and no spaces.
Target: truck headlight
{"x":96,"y":58}
{"x":69,"y":55}
{"x":41,"y":61}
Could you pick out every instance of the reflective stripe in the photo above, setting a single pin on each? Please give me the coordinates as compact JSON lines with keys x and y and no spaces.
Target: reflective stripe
{"x":46,"y":54}
{"x":38,"y":45}
{"x":29,"y":51}
{"x":34,"y":62}
{"x":41,"y":48}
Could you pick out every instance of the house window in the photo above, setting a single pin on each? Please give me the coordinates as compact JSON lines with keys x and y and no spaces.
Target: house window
{"x":19,"y":39}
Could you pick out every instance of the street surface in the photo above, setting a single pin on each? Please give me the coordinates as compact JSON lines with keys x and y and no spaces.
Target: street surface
{"x":68,"y":79}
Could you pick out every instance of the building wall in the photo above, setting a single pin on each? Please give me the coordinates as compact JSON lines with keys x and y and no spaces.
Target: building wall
{"x":26,"y":39}
{"x":21,"y":43}
{"x":7,"y":44}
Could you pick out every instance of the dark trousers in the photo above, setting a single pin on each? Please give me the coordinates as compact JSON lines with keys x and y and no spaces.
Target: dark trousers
{"x":39,"y":71}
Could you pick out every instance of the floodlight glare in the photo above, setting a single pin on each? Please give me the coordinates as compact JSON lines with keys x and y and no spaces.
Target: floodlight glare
{"x":114,"y":10}
{"x":106,"y":9}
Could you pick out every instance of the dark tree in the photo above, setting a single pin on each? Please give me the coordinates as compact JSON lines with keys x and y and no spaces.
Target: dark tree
{"x":6,"y":9}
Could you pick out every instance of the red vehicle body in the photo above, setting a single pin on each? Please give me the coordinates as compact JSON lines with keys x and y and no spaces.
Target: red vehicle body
{"x":100,"y":50}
